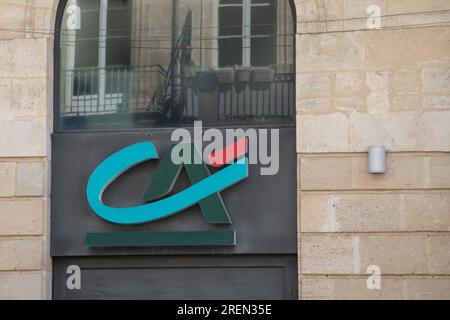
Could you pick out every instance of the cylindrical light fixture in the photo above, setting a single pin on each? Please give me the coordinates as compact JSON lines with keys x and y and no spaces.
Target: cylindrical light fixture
{"x":377,"y":160}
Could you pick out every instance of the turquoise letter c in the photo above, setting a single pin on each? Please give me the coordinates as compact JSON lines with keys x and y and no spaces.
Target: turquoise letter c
{"x":138,"y":153}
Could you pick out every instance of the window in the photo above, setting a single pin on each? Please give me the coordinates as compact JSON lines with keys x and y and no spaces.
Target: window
{"x":151,"y":63}
{"x":247,"y":32}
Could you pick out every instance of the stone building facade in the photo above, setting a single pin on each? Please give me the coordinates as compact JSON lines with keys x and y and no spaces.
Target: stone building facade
{"x":356,"y":87}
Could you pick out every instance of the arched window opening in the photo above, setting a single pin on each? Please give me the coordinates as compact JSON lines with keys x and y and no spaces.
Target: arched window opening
{"x":151,"y":63}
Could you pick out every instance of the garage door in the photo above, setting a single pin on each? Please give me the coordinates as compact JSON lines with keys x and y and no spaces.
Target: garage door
{"x":185,"y":277}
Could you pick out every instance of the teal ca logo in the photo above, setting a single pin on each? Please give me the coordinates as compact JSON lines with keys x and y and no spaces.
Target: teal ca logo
{"x":159,"y":203}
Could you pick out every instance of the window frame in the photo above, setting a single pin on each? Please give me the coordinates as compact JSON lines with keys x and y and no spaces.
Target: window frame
{"x":246,"y":26}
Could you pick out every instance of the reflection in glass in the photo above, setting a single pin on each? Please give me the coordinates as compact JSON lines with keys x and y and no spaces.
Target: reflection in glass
{"x":152,"y":63}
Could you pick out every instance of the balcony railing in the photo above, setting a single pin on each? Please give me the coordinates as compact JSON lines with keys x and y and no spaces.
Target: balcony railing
{"x":127,"y":89}
{"x":140,"y":90}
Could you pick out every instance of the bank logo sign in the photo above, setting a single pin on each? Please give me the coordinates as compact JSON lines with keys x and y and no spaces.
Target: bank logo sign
{"x":160,"y":203}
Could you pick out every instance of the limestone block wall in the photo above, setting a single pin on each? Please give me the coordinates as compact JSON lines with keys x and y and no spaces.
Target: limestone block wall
{"x":357,"y":88}
{"x":25,"y":125}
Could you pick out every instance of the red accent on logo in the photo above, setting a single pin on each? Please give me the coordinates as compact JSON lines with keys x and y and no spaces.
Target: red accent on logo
{"x":228,"y":154}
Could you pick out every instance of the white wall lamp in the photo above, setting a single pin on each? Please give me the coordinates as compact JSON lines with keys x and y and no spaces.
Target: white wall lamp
{"x":377,"y":160}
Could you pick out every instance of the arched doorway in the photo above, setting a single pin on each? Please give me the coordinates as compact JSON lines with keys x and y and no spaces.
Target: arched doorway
{"x":135,"y":71}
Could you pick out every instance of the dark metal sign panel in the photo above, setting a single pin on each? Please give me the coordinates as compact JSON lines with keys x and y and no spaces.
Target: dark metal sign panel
{"x":262,"y":208}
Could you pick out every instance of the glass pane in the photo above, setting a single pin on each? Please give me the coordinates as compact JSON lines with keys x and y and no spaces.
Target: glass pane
{"x":119,"y":33}
{"x":263,"y":51}
{"x":86,"y":37}
{"x":122,"y":67}
{"x":230,"y":52}
{"x":230,"y":21}
{"x":263,"y":20}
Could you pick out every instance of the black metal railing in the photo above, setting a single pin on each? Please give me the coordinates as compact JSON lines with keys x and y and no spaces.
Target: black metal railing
{"x":135,"y":90}
{"x":126,"y":89}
